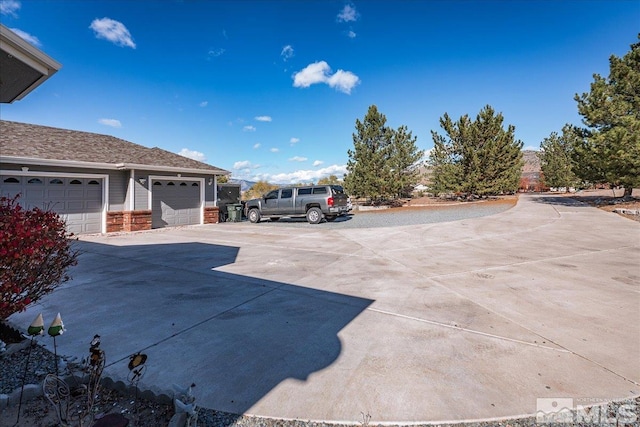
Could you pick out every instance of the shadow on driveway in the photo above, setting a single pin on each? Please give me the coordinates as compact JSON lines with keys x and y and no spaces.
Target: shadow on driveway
{"x":236,"y":337}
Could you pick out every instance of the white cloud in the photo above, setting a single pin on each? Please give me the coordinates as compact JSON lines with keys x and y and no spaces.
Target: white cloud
{"x":214,"y":53}
{"x":249,"y":128}
{"x":312,"y":74}
{"x":287,"y":52}
{"x":317,"y":163}
{"x":351,"y":34}
{"x":244,"y":164}
{"x":112,"y":31}
{"x":294,"y":141}
{"x":10,"y":7}
{"x":308,"y":175}
{"x":274,"y":150}
{"x":343,"y":81}
{"x":256,"y":145}
{"x":298,"y":159}
{"x":204,"y":104}
{"x":195,"y":155}
{"x":320,"y":72}
{"x":348,"y":14}
{"x":110,"y":122}
{"x":263,"y":118}
{"x":27,"y":37}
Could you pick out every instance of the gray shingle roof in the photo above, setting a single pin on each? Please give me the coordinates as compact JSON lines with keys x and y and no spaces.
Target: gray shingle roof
{"x":43,"y":142}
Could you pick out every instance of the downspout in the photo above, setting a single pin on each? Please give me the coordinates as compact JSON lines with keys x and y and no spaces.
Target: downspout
{"x":132,"y":186}
{"x":215,"y":190}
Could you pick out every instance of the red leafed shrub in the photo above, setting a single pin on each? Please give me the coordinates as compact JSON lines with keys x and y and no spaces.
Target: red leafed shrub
{"x":35,"y":253}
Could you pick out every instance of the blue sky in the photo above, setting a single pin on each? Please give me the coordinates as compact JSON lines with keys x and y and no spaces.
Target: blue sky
{"x":272,"y":89}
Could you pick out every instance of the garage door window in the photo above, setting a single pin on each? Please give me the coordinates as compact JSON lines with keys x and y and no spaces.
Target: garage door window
{"x":78,"y":200}
{"x":175,"y":203}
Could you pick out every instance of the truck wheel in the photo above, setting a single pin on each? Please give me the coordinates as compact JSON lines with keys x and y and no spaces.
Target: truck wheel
{"x":254,"y":215}
{"x":330,"y":218}
{"x":314,"y":216}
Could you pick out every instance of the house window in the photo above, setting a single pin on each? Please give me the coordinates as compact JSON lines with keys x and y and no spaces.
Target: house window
{"x":183,"y":184}
{"x":35,"y":181}
{"x":93,"y":182}
{"x":195,"y":184}
{"x":75,"y":182}
{"x":170,"y":183}
{"x":56,"y":181}
{"x":12,"y":180}
{"x":157,"y":183}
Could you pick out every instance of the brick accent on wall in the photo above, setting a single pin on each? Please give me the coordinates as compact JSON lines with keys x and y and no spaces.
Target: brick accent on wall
{"x":128,"y":221}
{"x":211,"y":215}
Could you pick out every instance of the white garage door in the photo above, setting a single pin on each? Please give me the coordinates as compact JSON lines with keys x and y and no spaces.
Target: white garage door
{"x":77,"y":200}
{"x":175,"y":202}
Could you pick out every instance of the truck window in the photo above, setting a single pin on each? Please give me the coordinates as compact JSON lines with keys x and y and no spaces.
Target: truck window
{"x":320,"y":190}
{"x":337,"y":189}
{"x":303,"y":191}
{"x":286,"y":193}
{"x":271,"y":195}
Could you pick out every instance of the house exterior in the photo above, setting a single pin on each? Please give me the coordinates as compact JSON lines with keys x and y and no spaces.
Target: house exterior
{"x":103,"y":184}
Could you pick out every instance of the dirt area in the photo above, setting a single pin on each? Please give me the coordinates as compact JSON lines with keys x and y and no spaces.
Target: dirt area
{"x":39,"y":412}
{"x":437,"y":202}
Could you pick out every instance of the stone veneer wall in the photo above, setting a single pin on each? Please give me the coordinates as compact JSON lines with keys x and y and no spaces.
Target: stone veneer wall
{"x":128,"y":221}
{"x":211,"y":215}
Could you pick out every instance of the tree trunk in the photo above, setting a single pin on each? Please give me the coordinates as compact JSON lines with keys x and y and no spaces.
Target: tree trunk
{"x":627,"y":191}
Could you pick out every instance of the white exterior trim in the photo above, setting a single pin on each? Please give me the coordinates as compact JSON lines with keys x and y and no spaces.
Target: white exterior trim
{"x":132,"y":190}
{"x":15,"y":46}
{"x":105,"y":185}
{"x":152,"y":178}
{"x":108,"y":166}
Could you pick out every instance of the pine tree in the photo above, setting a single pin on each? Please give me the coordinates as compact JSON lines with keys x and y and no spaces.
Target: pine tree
{"x":610,"y":150}
{"x":478,"y":158}
{"x":404,"y":162}
{"x":383,"y":163}
{"x":556,"y":158}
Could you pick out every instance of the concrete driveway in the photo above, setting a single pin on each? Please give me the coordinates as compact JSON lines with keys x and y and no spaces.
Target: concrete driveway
{"x":471,"y":319}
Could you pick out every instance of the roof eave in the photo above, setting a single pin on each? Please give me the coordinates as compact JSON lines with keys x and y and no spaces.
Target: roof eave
{"x":137,"y":166}
{"x":55,"y":162}
{"x":20,"y":49}
{"x":108,"y":166}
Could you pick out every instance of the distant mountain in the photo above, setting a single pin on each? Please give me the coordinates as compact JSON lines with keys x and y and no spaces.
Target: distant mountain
{"x":244,"y":184}
{"x":531,"y":161}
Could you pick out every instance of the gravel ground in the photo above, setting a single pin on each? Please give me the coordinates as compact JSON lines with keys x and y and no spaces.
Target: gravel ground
{"x":394,"y":217}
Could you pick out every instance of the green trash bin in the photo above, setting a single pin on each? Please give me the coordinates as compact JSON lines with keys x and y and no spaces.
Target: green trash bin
{"x":234,"y":212}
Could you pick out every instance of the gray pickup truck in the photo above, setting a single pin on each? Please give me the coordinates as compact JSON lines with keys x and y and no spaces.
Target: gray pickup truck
{"x":313,"y":202}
